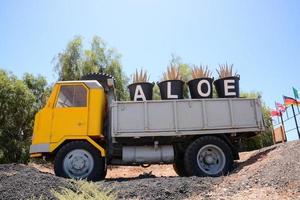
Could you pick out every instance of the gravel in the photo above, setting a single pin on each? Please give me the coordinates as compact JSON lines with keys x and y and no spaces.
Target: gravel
{"x":282,"y":171}
{"x":23,"y":182}
{"x":269,"y":173}
{"x":160,"y":188}
{"x":275,"y":168}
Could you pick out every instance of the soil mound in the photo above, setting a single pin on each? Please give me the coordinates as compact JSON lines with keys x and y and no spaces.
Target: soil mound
{"x":19,"y":181}
{"x":268,"y":173}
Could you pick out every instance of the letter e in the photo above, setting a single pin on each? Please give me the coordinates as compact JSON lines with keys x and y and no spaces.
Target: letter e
{"x":228,"y":87}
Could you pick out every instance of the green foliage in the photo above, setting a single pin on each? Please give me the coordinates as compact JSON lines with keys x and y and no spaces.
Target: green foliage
{"x":98,"y":57}
{"x":121,"y":80}
{"x":259,"y":141}
{"x":38,"y":87}
{"x":74,"y":62}
{"x":185,"y":70}
{"x":83,"y":191}
{"x":69,"y":62}
{"x":156,"y":93}
{"x":264,"y":139}
{"x":19,"y":101}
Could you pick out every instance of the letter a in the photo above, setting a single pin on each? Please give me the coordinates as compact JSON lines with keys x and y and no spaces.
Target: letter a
{"x":139,"y":93}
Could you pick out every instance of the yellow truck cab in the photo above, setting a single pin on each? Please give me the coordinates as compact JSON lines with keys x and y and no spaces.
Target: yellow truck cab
{"x":84,"y":129}
{"x":69,"y":116}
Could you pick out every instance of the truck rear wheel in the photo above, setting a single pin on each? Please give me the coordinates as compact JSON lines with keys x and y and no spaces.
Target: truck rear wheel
{"x":79,"y":160}
{"x":178,"y":167}
{"x":178,"y":164}
{"x":208,"y":156}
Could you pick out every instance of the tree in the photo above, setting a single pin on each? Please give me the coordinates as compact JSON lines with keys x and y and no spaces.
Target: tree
{"x":39,"y":88}
{"x":74,"y":62}
{"x":19,"y":101}
{"x":264,"y":139}
{"x":16,"y":102}
{"x":156,"y":93}
{"x":103,"y":59}
{"x":69,"y":62}
{"x":121,"y":80}
{"x":186,"y":73}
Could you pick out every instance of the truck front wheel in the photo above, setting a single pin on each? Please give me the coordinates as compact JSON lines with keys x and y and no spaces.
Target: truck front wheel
{"x":208,"y":156}
{"x":79,"y":160}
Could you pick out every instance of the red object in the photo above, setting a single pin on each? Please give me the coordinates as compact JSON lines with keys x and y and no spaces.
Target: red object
{"x":280,"y":107}
{"x":290,"y":101}
{"x":275,"y":113}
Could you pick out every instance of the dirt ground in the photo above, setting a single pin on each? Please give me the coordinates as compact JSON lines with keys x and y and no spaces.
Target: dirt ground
{"x":269,"y":173}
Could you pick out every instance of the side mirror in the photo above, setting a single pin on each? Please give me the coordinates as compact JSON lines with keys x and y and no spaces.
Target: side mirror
{"x":110,"y":82}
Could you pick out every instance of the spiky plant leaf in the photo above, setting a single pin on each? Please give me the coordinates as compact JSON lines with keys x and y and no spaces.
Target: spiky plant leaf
{"x":172,"y":73}
{"x":225,"y":70}
{"x":201,"y":71}
{"x":140,"y":76}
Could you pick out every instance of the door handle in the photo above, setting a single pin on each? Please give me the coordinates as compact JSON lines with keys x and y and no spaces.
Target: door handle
{"x":80,"y":123}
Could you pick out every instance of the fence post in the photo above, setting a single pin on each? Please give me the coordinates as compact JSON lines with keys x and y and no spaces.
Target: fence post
{"x":283,"y":135}
{"x":296,"y":121}
{"x":273,"y":135}
{"x":283,"y":127}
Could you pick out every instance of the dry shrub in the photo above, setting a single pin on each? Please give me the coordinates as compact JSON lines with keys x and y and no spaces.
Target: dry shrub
{"x":84,"y":190}
{"x":201,"y":71}
{"x":225,"y":70}
{"x":172,"y":73}
{"x":140,"y":77}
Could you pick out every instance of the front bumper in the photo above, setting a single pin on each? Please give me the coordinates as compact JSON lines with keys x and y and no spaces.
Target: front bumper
{"x":39,"y":148}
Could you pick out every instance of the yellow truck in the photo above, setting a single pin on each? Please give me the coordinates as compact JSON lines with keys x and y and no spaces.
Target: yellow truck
{"x":83,"y":129}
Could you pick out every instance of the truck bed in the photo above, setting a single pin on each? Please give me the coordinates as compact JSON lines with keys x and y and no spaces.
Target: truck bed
{"x":186,"y":117}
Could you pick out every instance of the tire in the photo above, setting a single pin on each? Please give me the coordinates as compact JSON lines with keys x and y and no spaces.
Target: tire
{"x":80,"y":160}
{"x":178,"y":167}
{"x":178,"y":164}
{"x":208,"y":156}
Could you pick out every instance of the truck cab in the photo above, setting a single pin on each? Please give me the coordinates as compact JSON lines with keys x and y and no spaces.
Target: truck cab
{"x":67,"y":115}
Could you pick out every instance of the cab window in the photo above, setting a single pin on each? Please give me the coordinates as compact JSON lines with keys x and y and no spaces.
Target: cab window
{"x":72,"y":96}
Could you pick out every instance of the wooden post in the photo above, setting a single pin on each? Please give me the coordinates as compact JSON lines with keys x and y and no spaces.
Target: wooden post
{"x":283,"y":136}
{"x":273,"y":135}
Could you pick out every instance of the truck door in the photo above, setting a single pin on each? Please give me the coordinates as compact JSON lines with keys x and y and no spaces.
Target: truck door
{"x":70,"y":112}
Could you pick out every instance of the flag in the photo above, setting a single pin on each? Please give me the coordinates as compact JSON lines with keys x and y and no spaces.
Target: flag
{"x":280,"y":107}
{"x":296,"y":93}
{"x":290,"y":101}
{"x":275,"y":113}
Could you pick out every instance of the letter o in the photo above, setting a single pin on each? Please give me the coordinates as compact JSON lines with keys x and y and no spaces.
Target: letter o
{"x":199,"y":86}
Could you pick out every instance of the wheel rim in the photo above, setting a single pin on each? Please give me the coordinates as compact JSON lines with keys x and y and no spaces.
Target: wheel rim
{"x":78,"y":164}
{"x":211,"y":159}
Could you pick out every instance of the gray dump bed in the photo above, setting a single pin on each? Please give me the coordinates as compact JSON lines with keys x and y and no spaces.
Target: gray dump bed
{"x":186,"y":117}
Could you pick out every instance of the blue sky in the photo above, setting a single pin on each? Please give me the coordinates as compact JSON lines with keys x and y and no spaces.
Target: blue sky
{"x":261,"y":38}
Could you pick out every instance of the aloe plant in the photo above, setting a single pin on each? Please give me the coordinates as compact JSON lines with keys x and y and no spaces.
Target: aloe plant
{"x":172,"y":73}
{"x":225,"y":70}
{"x":201,"y":71}
{"x":140,"y":76}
